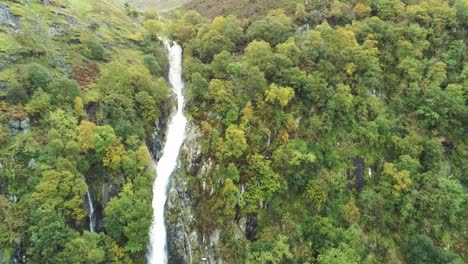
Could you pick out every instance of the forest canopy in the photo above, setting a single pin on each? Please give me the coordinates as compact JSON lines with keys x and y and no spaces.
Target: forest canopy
{"x":330,"y":131}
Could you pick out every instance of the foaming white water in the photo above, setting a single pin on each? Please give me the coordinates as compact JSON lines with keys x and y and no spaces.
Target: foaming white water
{"x":91,"y":212}
{"x":157,"y":249}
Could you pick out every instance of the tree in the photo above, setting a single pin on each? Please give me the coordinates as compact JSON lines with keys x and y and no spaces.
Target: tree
{"x":86,"y":132}
{"x":115,"y":78}
{"x":62,"y":191}
{"x":232,"y":173}
{"x":84,"y":249}
{"x":115,"y":156}
{"x":198,"y":86}
{"x":49,"y":235}
{"x":282,"y":95}
{"x":274,"y":28}
{"x":12,"y":219}
{"x":35,"y":76}
{"x":290,"y":50}
{"x":235,"y":143}
{"x":152,"y":64}
{"x":228,"y":26}
{"x":39,"y":104}
{"x":279,"y":253}
{"x":64,"y":122}
{"x":63,"y":91}
{"x":78,"y":106}
{"x":220,"y":63}
{"x":421,"y":250}
{"x":146,"y":107}
{"x":213,"y":43}
{"x":341,"y":255}
{"x":301,"y":14}
{"x":259,"y":53}
{"x":153,"y":28}
{"x":401,"y":179}
{"x":322,"y":233}
{"x":265,"y":182}
{"x":128,"y":219}
{"x":317,"y":193}
{"x":103,"y":138}
{"x":92,"y":48}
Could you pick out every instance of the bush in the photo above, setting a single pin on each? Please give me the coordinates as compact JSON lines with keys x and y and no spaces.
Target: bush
{"x":35,"y":76}
{"x":63,"y":91}
{"x":152,"y":64}
{"x":96,"y":49}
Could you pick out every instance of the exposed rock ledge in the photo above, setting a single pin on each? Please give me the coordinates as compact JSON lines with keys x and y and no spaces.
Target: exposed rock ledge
{"x":186,"y":244}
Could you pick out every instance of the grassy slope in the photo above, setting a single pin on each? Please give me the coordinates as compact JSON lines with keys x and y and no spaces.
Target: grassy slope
{"x":160,"y":5}
{"x":240,"y":8}
{"x":113,"y":33}
{"x":114,"y":27}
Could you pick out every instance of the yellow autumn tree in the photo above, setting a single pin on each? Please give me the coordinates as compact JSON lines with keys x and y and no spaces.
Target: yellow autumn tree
{"x":401,"y":179}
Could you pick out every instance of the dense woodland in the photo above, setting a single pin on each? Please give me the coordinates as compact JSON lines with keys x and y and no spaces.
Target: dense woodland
{"x":336,"y":127}
{"x":339,"y":128}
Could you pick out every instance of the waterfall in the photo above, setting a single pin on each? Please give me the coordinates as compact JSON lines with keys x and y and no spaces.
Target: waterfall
{"x":157,"y":248}
{"x":91,"y":212}
{"x":5,"y":15}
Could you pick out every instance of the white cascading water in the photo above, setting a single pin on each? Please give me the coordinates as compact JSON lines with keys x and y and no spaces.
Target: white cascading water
{"x":157,"y":251}
{"x":91,"y":212}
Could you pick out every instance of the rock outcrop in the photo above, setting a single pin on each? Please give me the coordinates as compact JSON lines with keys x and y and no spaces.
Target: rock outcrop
{"x":186,"y":243}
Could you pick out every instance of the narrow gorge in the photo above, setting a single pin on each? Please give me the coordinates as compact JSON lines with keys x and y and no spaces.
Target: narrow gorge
{"x":157,"y":251}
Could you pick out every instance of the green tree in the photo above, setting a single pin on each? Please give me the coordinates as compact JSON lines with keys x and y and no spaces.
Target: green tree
{"x":236,"y":143}
{"x":282,"y":95}
{"x":301,"y":14}
{"x":317,"y":193}
{"x":152,"y":64}
{"x":421,"y":250}
{"x":103,"y":138}
{"x":62,"y":191}
{"x":35,"y":76}
{"x":274,"y":28}
{"x":63,"y":91}
{"x":84,"y":249}
{"x":341,"y":255}
{"x":49,"y":235}
{"x":279,"y":253}
{"x":128,"y":219}
{"x":265,"y":182}
{"x":39,"y":104}
{"x":146,"y":107}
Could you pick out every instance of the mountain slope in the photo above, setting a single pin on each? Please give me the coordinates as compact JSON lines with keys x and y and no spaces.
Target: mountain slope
{"x":81,"y":90}
{"x":159,"y":5}
{"x":334,"y":135}
{"x":240,"y":8}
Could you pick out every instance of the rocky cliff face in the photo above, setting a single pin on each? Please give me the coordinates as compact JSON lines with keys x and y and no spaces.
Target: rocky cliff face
{"x":186,"y":243}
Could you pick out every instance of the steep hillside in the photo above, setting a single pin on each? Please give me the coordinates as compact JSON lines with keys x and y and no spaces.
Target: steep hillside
{"x":240,"y":8}
{"x":159,"y":5}
{"x":80,"y":94}
{"x":331,"y":133}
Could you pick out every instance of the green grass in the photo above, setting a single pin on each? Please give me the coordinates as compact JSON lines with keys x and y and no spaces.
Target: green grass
{"x":240,"y":8}
{"x":7,"y":42}
{"x":160,"y":5}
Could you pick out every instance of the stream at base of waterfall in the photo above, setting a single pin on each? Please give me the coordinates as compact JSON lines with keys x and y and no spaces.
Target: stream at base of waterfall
{"x":157,"y":247}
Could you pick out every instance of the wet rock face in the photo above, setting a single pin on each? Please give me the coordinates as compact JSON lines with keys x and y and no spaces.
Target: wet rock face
{"x":251,"y":227}
{"x":17,"y":126}
{"x":155,"y":142}
{"x":187,"y":244}
{"x":356,"y":177}
{"x":6,"y":17}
